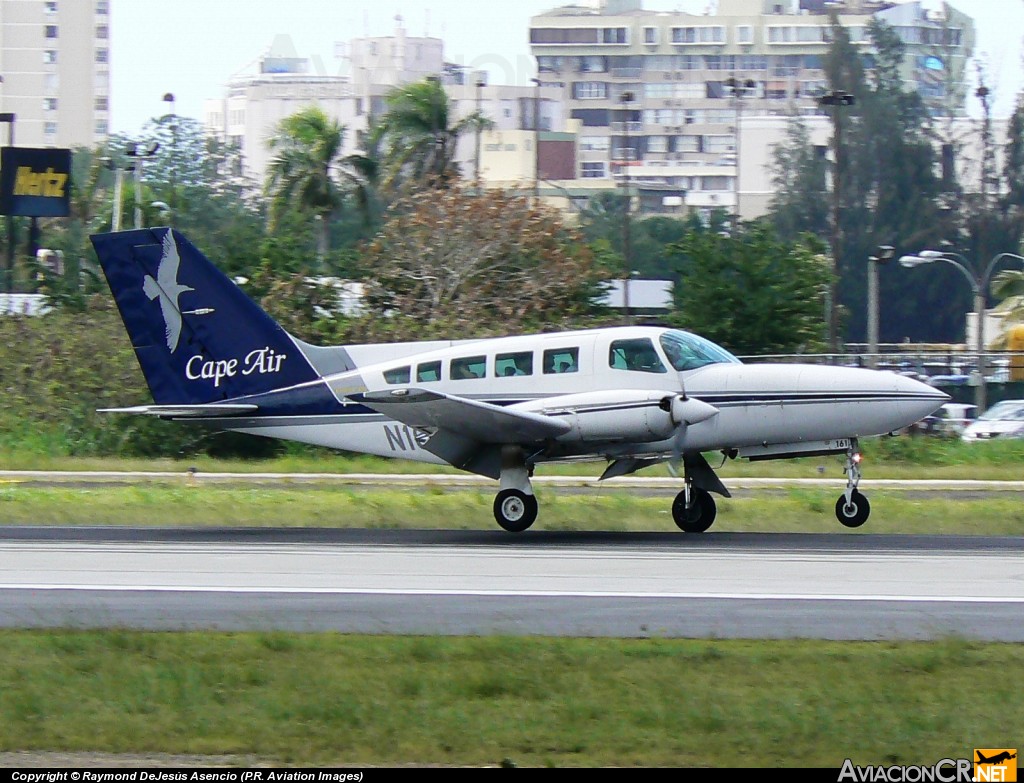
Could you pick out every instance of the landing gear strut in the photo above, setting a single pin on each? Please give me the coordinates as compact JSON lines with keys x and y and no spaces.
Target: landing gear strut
{"x":852,"y":508}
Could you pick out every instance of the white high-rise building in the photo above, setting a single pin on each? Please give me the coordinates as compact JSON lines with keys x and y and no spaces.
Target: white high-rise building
{"x":55,"y":64}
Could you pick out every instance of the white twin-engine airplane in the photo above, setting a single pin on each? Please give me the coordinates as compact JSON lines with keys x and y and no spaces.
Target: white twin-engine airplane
{"x":634,"y":396}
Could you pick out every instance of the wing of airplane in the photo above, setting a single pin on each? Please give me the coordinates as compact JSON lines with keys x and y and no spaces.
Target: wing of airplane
{"x":212,"y":410}
{"x":465,"y":433}
{"x":482,"y":422}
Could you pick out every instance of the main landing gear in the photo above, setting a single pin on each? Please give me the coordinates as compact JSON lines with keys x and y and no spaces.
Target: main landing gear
{"x":515,"y":507}
{"x":694,"y":509}
{"x":852,"y":508}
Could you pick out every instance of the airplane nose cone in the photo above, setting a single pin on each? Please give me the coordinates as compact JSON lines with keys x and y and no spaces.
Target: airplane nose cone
{"x":917,"y":399}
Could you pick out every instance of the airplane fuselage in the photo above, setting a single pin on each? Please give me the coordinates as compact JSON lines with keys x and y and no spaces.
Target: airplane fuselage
{"x":615,"y":409}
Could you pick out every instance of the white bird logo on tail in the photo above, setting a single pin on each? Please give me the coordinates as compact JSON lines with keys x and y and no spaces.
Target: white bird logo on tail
{"x":167,"y":288}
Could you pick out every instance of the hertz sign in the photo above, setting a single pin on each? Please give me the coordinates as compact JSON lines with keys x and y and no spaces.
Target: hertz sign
{"x":35,"y":182}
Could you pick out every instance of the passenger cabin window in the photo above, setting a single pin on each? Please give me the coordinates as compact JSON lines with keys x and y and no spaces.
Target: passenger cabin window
{"x":559,"y":360}
{"x":429,"y":371}
{"x":637,"y":355}
{"x":397,"y":375}
{"x":507,"y":365}
{"x":469,"y":367}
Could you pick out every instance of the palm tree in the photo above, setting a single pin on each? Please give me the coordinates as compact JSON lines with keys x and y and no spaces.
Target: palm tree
{"x":421,"y":134}
{"x":304,"y":169}
{"x":1009,"y":287}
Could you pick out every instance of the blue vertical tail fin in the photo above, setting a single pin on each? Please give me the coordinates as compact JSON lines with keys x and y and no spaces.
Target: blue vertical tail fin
{"x":198,"y":337}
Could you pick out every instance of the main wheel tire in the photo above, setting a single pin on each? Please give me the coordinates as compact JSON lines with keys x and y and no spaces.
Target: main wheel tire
{"x":514,"y":510}
{"x":699,"y":516}
{"x":855,"y":513}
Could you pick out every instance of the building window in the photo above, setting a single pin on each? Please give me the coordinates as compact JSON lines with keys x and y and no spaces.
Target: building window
{"x":592,"y":170}
{"x":50,"y":128}
{"x":657,"y":144}
{"x":51,"y":31}
{"x":50,"y":57}
{"x":719,"y":144}
{"x":650,"y":35}
{"x":103,"y":7}
{"x":698,"y":35}
{"x":102,"y":128}
{"x":102,"y":56}
{"x":744,"y":34}
{"x":565,"y":35}
{"x":102,"y":103}
{"x":102,"y":31}
{"x":549,"y":64}
{"x":589,"y":90}
{"x":49,"y":104}
{"x":593,"y":64}
{"x":51,"y":7}
{"x":614,"y":35}
{"x":594,"y":143}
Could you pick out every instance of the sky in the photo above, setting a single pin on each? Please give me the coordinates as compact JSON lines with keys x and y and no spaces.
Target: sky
{"x":191,"y":48}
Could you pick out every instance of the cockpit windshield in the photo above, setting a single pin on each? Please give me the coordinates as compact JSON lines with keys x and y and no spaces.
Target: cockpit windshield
{"x":687,"y":351}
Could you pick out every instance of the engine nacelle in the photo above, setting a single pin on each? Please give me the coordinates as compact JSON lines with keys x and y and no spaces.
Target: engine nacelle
{"x":617,"y":415}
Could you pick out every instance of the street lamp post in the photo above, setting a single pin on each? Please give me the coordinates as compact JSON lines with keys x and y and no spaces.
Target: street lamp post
{"x":8,"y":118}
{"x":536,"y":140}
{"x":169,"y":99}
{"x":626,"y":98}
{"x":882,"y":256}
{"x":979,"y":282}
{"x":739,"y":87}
{"x":480,"y":84}
{"x":835,"y":100}
{"x":140,"y":154}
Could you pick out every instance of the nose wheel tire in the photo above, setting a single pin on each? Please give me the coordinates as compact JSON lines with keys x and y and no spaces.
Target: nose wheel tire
{"x":514,"y":510}
{"x":856,"y":512}
{"x":699,"y":516}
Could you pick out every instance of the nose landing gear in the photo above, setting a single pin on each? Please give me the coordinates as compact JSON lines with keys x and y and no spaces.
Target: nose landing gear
{"x":852,"y":508}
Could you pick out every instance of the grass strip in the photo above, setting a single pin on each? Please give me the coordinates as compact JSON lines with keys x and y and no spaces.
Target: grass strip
{"x":899,"y":457}
{"x":319,"y":505}
{"x":320,"y":699}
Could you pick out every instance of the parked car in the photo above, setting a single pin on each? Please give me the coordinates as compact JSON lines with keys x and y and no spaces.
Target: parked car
{"x":950,"y":420}
{"x":1003,"y":420}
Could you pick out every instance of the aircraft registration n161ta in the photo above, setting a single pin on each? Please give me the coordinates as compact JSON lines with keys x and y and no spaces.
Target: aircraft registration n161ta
{"x":634,"y":396}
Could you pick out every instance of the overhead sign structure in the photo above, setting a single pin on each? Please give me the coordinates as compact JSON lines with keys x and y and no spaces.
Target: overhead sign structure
{"x":35,"y":182}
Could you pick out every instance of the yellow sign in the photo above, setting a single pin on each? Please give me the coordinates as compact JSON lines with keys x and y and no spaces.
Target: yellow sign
{"x":49,"y":183}
{"x":995,"y":765}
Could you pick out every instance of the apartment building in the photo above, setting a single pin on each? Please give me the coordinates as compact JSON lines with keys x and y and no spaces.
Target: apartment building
{"x":366,"y":70}
{"x":663,"y":97}
{"x":55,"y":65}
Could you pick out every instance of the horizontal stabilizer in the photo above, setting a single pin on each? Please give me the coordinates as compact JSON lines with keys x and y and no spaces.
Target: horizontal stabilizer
{"x":482,"y":422}
{"x":213,"y":410}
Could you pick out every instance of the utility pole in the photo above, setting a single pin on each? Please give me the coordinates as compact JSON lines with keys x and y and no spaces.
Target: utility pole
{"x":882,"y":256}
